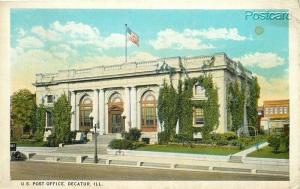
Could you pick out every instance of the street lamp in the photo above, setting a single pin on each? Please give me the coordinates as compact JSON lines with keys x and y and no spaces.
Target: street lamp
{"x":123,"y":117}
{"x":95,"y":135}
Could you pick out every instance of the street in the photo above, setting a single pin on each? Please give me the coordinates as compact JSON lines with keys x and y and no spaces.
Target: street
{"x":27,"y":170}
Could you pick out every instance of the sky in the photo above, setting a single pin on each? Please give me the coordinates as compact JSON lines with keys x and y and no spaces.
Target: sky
{"x":48,"y":40}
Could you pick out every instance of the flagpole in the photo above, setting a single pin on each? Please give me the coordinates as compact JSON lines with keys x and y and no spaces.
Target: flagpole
{"x":125,"y":43}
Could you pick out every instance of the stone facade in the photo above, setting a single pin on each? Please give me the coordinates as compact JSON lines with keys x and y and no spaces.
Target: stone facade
{"x":121,"y":88}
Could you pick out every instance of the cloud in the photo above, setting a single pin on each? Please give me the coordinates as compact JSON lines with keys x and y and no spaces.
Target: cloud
{"x":30,"y":42}
{"x":169,"y":38}
{"x":78,"y":35}
{"x":193,"y":39}
{"x":105,"y":60}
{"x":273,"y":88}
{"x":216,"y":34}
{"x":49,"y":35}
{"x":21,"y":32}
{"x":26,"y":64}
{"x":262,"y":60}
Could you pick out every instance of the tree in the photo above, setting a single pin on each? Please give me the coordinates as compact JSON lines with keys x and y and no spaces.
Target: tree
{"x":62,"y":120}
{"x":23,"y":111}
{"x":253,"y":102}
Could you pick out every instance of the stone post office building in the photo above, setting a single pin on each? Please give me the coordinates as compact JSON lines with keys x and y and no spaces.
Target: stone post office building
{"x":125,"y":96}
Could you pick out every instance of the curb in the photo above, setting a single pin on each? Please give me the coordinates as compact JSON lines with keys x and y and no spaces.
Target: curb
{"x":171,"y":166}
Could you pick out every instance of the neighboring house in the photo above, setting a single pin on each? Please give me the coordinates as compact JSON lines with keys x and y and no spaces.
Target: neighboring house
{"x":125,"y":96}
{"x":276,"y":116}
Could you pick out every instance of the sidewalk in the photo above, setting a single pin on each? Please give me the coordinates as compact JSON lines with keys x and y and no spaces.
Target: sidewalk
{"x":251,"y":149}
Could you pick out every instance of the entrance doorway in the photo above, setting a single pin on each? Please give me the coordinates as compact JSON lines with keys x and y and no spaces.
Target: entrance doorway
{"x":116,"y":121}
{"x":115,"y":110}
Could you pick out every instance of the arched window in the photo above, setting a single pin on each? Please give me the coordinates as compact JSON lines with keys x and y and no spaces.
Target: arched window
{"x":85,"y":107}
{"x":116,"y":99}
{"x":199,"y":90}
{"x":148,"y":111}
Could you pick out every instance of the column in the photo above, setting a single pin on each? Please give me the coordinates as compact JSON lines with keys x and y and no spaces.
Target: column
{"x":95,"y":107}
{"x":159,"y":126}
{"x":102,"y":111}
{"x":245,"y":122}
{"x":133,"y":107}
{"x":73,"y":111}
{"x":127,"y":109}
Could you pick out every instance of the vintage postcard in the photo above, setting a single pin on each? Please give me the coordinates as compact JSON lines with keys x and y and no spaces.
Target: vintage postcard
{"x":185,"y":95}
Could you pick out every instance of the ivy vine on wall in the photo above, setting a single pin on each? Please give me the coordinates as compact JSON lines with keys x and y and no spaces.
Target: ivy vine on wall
{"x":178,"y":105}
{"x":235,"y":105}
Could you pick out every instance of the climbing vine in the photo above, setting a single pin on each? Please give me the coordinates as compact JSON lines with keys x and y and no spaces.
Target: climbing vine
{"x":167,"y":109}
{"x":235,"y":105}
{"x":210,"y":106}
{"x":178,"y":105}
{"x":40,"y":122}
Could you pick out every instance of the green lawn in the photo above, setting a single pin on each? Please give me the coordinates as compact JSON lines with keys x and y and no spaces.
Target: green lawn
{"x":266,"y":152}
{"x":211,"y":150}
{"x":27,"y":143}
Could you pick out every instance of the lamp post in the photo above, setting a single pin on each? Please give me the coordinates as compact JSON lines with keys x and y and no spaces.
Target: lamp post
{"x":123,"y":128}
{"x":95,"y":135}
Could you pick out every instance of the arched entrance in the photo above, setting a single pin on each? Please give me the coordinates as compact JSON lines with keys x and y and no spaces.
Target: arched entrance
{"x":115,"y":110}
{"x":85,"y":109}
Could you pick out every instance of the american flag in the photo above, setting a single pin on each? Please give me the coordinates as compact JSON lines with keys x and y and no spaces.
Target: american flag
{"x":133,"y":37}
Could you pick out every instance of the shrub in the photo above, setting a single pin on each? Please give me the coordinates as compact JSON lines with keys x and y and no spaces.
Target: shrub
{"x":137,"y":144}
{"x":286,"y":143}
{"x":183,"y":139}
{"x":234,"y":142}
{"x":134,"y":134}
{"x":120,"y":144}
{"x":222,"y":142}
{"x":51,"y":141}
{"x":241,"y":145}
{"x":208,"y":141}
{"x":274,"y":142}
{"x":245,"y":140}
{"x":69,"y":137}
{"x":230,"y":135}
{"x":17,"y":156}
{"x":163,"y":137}
{"x":216,"y":136}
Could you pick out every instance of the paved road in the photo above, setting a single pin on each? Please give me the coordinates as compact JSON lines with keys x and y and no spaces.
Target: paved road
{"x":62,"y":171}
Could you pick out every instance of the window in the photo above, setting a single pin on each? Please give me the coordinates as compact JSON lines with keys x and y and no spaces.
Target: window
{"x":198,"y":117}
{"x":266,"y":111}
{"x":199,"y":90}
{"x":275,"y":110}
{"x":148,"y":110}
{"x":49,"y":119}
{"x":281,"y":110}
{"x":285,"y":110}
{"x":50,"y":98}
{"x":271,"y":110}
{"x":86,"y":107}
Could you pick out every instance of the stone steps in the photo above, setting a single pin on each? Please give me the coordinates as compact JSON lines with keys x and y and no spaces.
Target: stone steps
{"x":236,"y":159}
{"x":59,"y":158}
{"x":105,"y":139}
{"x":81,"y":150}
